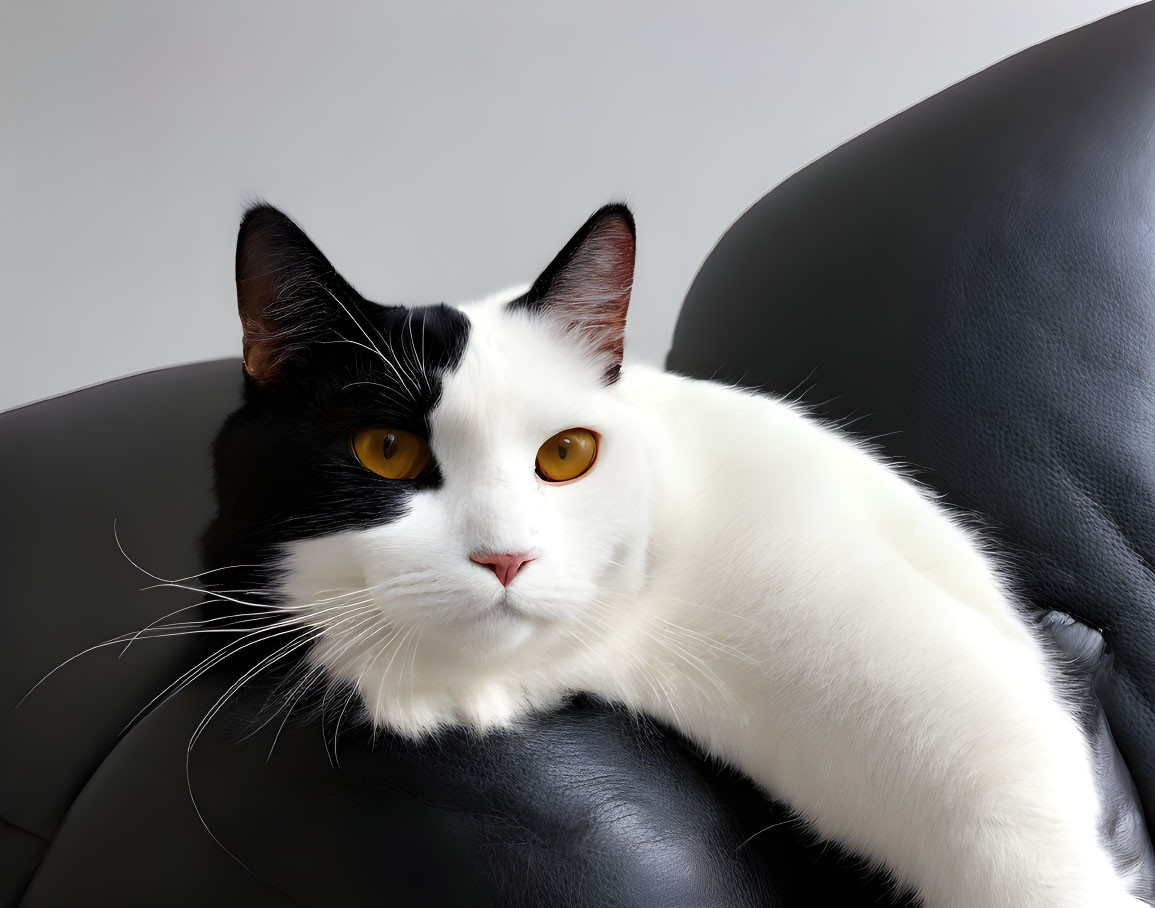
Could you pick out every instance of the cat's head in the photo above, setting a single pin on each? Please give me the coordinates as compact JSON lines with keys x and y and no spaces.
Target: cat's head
{"x":439,"y":492}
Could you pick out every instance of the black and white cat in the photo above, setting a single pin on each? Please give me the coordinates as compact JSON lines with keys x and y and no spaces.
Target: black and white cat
{"x":469,"y":513}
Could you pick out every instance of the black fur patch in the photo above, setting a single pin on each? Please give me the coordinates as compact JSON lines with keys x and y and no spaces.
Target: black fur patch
{"x":283,"y":463}
{"x":284,"y":466}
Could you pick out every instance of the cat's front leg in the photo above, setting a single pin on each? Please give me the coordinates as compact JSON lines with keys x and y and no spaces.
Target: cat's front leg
{"x":907,"y":726}
{"x":928,"y":742}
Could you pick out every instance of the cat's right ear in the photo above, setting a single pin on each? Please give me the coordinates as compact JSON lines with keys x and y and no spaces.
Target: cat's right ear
{"x":287,"y":292}
{"x":585,"y":290}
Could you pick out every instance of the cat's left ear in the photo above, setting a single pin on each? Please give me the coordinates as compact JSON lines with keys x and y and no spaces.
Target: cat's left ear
{"x":586,"y":288}
{"x":288,"y":296}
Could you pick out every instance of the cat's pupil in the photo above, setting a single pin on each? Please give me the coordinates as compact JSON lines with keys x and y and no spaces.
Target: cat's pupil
{"x":389,"y":446}
{"x":561,"y":448}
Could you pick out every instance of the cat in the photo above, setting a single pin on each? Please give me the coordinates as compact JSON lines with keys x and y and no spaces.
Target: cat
{"x":476,"y":511}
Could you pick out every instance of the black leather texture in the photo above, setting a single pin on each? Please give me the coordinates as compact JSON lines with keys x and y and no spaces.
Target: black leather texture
{"x":975,"y":275}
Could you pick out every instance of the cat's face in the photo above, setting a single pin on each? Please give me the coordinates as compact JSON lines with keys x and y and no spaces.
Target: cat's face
{"x":442,"y":491}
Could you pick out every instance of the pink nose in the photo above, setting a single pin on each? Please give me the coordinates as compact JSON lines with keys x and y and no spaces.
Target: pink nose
{"x":505,"y":566}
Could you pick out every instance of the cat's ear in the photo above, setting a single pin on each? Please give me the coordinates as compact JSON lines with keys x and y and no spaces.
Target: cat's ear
{"x":287,"y":293}
{"x":586,"y":288}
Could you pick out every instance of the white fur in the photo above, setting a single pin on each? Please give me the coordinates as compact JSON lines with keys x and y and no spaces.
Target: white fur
{"x":732,"y":567}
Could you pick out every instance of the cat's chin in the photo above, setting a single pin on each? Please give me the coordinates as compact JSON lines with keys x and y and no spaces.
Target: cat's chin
{"x":481,"y":635}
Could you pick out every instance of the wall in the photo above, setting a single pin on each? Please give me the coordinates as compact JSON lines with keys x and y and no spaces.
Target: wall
{"x":435,"y":152}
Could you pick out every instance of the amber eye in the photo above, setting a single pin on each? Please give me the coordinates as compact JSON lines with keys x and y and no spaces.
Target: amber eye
{"x":392,"y":453}
{"x":567,"y":455}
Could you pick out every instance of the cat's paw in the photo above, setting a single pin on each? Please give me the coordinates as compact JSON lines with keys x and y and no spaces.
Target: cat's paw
{"x":488,"y":707}
{"x":481,"y":707}
{"x":412,"y":716}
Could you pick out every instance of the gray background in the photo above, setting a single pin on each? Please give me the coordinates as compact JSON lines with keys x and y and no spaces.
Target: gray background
{"x":434,"y":151}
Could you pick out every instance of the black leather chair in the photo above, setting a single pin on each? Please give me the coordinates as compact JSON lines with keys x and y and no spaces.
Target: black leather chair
{"x":971,"y":283}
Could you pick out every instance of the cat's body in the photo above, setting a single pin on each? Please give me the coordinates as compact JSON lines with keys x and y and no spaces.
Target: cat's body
{"x":726,"y":564}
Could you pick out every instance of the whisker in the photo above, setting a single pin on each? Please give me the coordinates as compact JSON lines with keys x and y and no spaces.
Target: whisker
{"x":216,"y":570}
{"x":385,"y":673}
{"x":188,"y":764}
{"x":311,"y":674}
{"x":280,"y":628}
{"x":355,"y":321}
{"x":113,"y":641}
{"x":356,"y":685}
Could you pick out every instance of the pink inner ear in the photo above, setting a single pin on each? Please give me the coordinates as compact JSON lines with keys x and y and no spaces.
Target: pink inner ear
{"x":260,"y":267}
{"x":260,"y":353}
{"x":592,"y":293}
